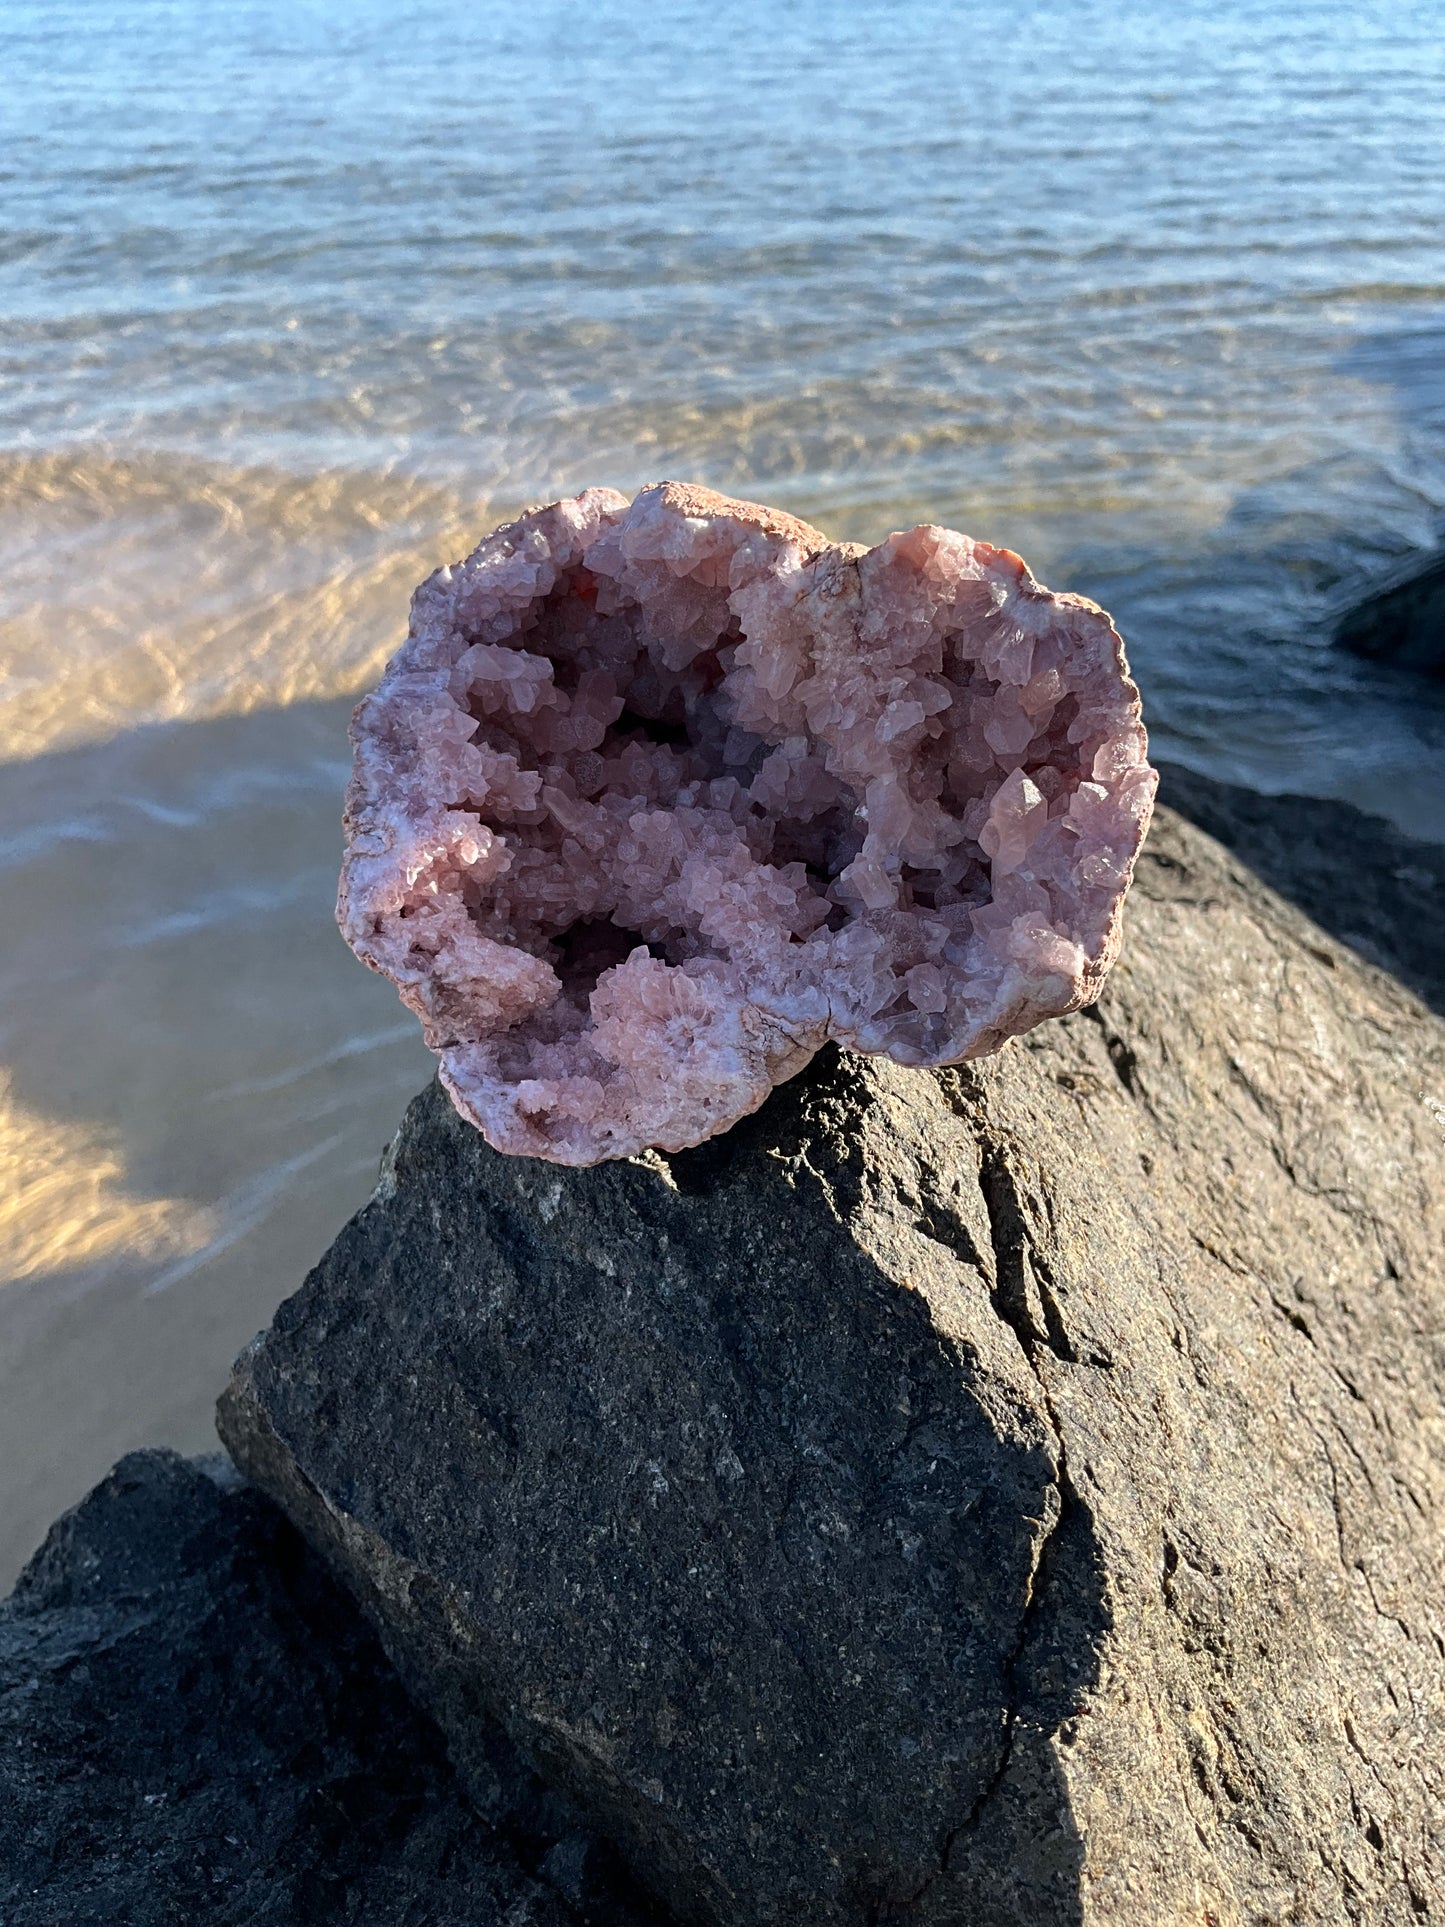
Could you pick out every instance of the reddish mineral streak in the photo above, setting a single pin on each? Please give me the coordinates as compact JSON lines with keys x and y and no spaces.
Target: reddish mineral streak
{"x":656,"y":798}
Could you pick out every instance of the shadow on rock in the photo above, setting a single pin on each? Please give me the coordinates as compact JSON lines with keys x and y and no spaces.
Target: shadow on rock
{"x":721,"y":1481}
{"x":1378,"y":891}
{"x":976,"y":1498}
{"x":196,"y":1725}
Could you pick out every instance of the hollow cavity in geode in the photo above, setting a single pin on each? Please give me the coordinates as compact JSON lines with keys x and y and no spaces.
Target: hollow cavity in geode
{"x":657,"y":798}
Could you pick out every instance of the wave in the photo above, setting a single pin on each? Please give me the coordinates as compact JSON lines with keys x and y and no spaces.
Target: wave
{"x":159,"y":587}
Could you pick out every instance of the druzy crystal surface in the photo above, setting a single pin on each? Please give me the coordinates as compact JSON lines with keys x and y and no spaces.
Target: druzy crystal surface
{"x":658,"y":797}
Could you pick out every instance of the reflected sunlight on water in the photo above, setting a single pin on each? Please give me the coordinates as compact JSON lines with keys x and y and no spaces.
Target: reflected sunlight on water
{"x":63,"y":1202}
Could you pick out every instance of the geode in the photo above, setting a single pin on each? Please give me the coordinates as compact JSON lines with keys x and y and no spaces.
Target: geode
{"x":658,"y":797}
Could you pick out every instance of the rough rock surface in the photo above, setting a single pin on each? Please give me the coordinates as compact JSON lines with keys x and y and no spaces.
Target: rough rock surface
{"x":657,"y":798}
{"x":1001,"y":1495}
{"x":197,"y":1727}
{"x":1379,"y":891}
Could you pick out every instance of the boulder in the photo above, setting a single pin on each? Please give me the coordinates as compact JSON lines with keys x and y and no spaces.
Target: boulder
{"x":1382,"y":893}
{"x":197,"y":1726}
{"x":996,"y":1495}
{"x":1402,"y":620}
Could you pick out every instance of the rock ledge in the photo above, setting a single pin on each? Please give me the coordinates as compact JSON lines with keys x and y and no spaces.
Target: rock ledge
{"x":994,"y":1495}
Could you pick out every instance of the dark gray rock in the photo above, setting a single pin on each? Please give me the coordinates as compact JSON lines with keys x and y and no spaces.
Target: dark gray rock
{"x":196,"y":1726}
{"x":1007,"y":1495}
{"x":1402,"y":620}
{"x":1357,"y":876}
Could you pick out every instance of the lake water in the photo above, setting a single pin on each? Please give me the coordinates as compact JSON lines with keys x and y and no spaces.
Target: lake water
{"x":296,"y":300}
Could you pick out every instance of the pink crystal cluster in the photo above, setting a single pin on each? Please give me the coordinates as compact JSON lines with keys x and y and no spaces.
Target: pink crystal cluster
{"x":658,"y":797}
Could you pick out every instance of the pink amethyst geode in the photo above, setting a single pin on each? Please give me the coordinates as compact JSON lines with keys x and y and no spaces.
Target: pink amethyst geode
{"x":658,"y":797}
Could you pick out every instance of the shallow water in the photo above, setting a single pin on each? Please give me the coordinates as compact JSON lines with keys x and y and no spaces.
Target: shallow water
{"x":290,"y":310}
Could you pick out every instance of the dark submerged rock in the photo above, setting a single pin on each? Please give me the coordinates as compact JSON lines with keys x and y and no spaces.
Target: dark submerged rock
{"x":1004,"y":1495}
{"x":1403,"y":620}
{"x":196,"y":1725}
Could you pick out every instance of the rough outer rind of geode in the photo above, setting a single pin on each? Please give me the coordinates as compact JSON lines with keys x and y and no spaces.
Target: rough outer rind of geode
{"x":656,"y":798}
